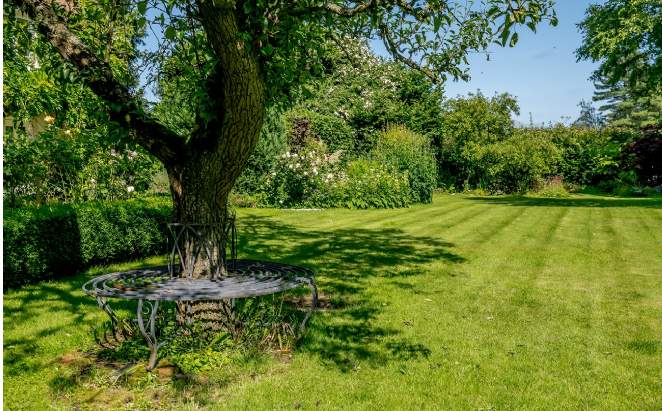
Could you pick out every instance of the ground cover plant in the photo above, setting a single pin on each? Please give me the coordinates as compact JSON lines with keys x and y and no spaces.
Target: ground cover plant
{"x":468,"y":302}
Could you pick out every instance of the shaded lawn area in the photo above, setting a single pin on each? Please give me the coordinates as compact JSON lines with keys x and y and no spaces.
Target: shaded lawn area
{"x":471,"y":302}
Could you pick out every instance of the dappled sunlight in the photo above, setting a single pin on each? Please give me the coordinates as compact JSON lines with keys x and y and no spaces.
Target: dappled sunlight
{"x":349,"y":262}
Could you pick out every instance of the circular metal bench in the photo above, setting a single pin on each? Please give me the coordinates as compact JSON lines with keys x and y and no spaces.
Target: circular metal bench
{"x":242,"y":279}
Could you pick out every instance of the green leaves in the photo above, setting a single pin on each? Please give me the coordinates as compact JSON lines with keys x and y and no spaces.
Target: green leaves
{"x":625,"y":36}
{"x":142,"y":7}
{"x":170,"y":33}
{"x":513,"y":39}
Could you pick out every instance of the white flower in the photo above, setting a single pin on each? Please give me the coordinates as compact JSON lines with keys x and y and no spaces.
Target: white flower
{"x":93,"y":181}
{"x":130,"y":189}
{"x":315,"y":170}
{"x":305,"y":173}
{"x":67,"y":132}
{"x":132,"y":155}
{"x":290,"y":166}
{"x":49,"y":119}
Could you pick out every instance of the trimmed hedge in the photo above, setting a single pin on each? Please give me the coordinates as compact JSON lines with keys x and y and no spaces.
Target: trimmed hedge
{"x":47,"y":242}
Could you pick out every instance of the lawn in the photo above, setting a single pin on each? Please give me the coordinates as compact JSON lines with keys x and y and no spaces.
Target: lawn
{"x":467,"y":303}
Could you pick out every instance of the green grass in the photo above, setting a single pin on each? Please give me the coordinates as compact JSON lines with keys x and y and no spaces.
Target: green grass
{"x":468,"y":303}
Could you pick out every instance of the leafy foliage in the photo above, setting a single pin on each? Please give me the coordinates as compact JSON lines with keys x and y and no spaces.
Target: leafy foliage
{"x":409,"y":153}
{"x":314,"y":178}
{"x":49,"y":241}
{"x":472,"y":120}
{"x":264,"y":159}
{"x":300,"y":177}
{"x":73,"y":166}
{"x":515,"y":165}
{"x":644,"y":156}
{"x":62,"y":145}
{"x":331,"y":130}
{"x":588,"y":156}
{"x":629,"y":106}
{"x":368,"y":184}
{"x":626,"y":37}
{"x":369,"y":94}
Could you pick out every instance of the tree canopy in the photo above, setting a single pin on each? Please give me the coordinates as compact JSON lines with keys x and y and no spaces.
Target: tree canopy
{"x":625,"y":37}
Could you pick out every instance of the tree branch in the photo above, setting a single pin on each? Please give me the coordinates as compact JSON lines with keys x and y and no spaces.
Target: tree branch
{"x":395,"y":52}
{"x":349,"y":11}
{"x":125,"y":109}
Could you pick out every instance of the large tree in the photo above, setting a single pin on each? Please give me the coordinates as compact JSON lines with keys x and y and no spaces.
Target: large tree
{"x":238,"y":56}
{"x":625,"y":37}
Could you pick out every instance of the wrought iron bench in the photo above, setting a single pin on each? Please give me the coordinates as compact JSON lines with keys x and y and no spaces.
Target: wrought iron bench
{"x":176,"y":282}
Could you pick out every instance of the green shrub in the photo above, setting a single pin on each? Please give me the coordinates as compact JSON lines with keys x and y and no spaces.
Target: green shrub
{"x":39,"y":242}
{"x":313,"y":178}
{"x":553,"y":187}
{"x":367,"y":184}
{"x":45,"y":242}
{"x":471,"y":120}
{"x":410,"y":153}
{"x":69,"y":165}
{"x":332,"y":130}
{"x":588,"y":156}
{"x":518,"y":164}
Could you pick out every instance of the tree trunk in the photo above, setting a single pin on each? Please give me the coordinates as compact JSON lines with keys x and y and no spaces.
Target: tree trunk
{"x":200,"y":188}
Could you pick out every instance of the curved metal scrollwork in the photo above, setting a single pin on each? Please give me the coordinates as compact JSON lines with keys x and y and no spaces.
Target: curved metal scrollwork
{"x":149,"y":308}
{"x":115,"y":332}
{"x":310,"y":282}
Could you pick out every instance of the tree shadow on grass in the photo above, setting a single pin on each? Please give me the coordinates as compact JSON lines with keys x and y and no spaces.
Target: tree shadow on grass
{"x":29,"y":304}
{"x":352,"y":265}
{"x":611,"y":202}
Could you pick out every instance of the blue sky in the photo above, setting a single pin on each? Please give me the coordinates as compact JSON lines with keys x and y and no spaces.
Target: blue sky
{"x":541,"y":70}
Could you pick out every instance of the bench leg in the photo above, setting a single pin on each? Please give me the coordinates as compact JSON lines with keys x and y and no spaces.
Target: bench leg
{"x":149,"y":330}
{"x":313,"y":293}
{"x":103,"y":304}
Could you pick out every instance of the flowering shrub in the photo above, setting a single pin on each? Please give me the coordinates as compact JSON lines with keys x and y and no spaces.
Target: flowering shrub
{"x":301,"y":177}
{"x":368,"y":184}
{"x":71,"y":165}
{"x":314,"y":178}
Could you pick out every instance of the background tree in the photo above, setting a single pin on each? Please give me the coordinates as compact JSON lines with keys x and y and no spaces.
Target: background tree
{"x":625,"y":105}
{"x":468,"y":122}
{"x":589,"y":116}
{"x":625,"y":36}
{"x":242,"y":55}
